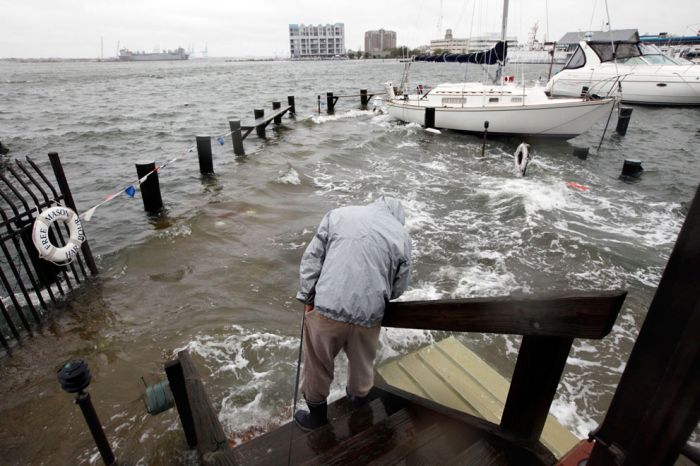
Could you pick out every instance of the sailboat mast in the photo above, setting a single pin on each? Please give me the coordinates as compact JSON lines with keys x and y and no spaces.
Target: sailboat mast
{"x":504,"y":24}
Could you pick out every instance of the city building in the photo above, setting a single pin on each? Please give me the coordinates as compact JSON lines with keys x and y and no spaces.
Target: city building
{"x":474,"y":44}
{"x":316,"y":41}
{"x":377,"y":42}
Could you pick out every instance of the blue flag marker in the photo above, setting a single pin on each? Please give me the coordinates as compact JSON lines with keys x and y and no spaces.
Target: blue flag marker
{"x":130,"y":191}
{"x":221,"y":140}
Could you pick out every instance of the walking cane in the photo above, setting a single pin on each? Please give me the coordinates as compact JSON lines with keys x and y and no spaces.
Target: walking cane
{"x":296,"y":387}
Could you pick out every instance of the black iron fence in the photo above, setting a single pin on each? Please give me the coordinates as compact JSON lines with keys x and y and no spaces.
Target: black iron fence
{"x":32,"y":286}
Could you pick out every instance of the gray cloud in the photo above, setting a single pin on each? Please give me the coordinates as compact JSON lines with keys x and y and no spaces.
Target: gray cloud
{"x":72,"y":28}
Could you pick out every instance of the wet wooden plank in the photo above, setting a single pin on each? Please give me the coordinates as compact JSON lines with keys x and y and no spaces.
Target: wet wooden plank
{"x":394,"y":375}
{"x":372,"y":442}
{"x":478,"y":384}
{"x":273,"y":448}
{"x":467,"y":386}
{"x":575,"y":314}
{"x":432,"y":385}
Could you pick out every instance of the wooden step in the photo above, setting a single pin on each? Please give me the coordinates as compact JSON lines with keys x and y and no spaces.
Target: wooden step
{"x":479,"y":454}
{"x":371,"y":443}
{"x":345,"y":421}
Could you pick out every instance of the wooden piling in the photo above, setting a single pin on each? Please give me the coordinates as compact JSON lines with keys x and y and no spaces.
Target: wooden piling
{"x":330,"y":103}
{"x":290,"y":102}
{"x":236,"y":137}
{"x":277,"y":106}
{"x":206,"y":165}
{"x":623,"y":120}
{"x":319,"y":104}
{"x":486,"y":132}
{"x":259,"y":128}
{"x":363,"y":98}
{"x":150,"y":188}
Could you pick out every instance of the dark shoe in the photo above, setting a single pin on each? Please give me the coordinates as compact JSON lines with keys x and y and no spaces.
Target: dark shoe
{"x":315,"y":417}
{"x":357,"y":401}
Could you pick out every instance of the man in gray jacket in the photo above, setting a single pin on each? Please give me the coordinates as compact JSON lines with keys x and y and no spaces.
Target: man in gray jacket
{"x":359,"y":259}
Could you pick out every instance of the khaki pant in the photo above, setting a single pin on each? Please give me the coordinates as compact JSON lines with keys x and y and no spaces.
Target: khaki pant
{"x":323,"y":340}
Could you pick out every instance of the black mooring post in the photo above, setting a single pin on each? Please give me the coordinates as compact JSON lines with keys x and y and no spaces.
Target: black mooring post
{"x":206,"y":164}
{"x":74,"y":377}
{"x":290,"y":102}
{"x":319,"y":104}
{"x":150,"y":188}
{"x":278,"y":118}
{"x":236,"y":137}
{"x":259,"y":128}
{"x":623,"y":120}
{"x":363,"y":98}
{"x":632,"y":169}
{"x":581,"y":152}
{"x":429,"y":121}
{"x":486,"y":131}
{"x":68,"y":198}
{"x":330,"y":103}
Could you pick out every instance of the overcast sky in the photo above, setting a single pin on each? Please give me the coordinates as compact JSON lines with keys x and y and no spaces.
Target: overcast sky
{"x":72,"y":28}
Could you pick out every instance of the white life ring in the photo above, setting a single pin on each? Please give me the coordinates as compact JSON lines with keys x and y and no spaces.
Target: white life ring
{"x":40,"y":235}
{"x":522,"y":157}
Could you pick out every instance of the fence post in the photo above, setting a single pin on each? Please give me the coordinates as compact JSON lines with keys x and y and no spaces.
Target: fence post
{"x":623,"y":120}
{"x":277,"y":106}
{"x":206,"y":165}
{"x":68,"y":198}
{"x":290,"y":102}
{"x":259,"y":128}
{"x":329,"y":103}
{"x":236,"y":137}
{"x":363,"y":98}
{"x":150,"y":188}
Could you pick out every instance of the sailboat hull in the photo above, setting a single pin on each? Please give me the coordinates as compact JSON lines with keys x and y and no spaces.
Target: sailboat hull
{"x":565,"y":120}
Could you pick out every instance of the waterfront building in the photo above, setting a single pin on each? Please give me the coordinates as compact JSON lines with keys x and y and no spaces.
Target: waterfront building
{"x":473,"y":44}
{"x":316,"y":41}
{"x":377,"y":42}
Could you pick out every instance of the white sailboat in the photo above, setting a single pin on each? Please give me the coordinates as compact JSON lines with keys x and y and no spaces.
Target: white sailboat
{"x":505,"y":108}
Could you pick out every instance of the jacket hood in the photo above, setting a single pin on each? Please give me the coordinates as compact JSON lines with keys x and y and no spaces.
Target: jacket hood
{"x":394,"y":206}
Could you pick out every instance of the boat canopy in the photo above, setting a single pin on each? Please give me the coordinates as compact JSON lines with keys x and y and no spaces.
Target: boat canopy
{"x":623,"y":49}
{"x":486,"y":57}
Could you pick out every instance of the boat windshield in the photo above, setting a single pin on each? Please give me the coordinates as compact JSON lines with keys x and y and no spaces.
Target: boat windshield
{"x":577,"y":60}
{"x":623,"y":50}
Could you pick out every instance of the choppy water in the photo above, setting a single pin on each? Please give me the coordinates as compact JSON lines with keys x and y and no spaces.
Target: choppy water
{"x":216,"y":274}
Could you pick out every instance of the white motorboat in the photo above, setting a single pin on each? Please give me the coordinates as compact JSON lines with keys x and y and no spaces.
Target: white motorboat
{"x":502,"y":109}
{"x":645,"y":75}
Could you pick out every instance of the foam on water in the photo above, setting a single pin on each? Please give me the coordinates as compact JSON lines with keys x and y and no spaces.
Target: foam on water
{"x":288,"y":176}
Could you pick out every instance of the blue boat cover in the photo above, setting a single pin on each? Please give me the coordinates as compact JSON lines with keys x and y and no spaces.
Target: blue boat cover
{"x":486,"y":57}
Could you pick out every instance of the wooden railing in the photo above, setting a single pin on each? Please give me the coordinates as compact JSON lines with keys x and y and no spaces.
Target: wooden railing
{"x":548,"y":325}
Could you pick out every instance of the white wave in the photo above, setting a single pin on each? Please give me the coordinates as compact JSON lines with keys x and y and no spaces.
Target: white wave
{"x":288,"y":176}
{"x":320,"y":119}
{"x":178,"y":231}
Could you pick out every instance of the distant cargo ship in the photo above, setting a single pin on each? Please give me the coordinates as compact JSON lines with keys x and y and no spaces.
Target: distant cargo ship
{"x":178,"y":54}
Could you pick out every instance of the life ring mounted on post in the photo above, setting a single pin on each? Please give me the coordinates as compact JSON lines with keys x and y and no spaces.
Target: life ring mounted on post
{"x":42,"y":242}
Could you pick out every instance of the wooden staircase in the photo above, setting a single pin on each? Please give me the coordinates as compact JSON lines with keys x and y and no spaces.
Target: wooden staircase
{"x":388,"y":430}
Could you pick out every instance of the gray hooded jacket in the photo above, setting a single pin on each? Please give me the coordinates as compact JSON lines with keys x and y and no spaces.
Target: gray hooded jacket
{"x":359,"y":259}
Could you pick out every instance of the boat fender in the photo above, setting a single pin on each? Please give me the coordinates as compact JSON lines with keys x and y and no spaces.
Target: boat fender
{"x":433,"y":130}
{"x":522,"y":157}
{"x":42,"y":242}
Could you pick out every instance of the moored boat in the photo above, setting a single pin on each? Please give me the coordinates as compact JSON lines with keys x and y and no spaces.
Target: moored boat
{"x":644,"y":74}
